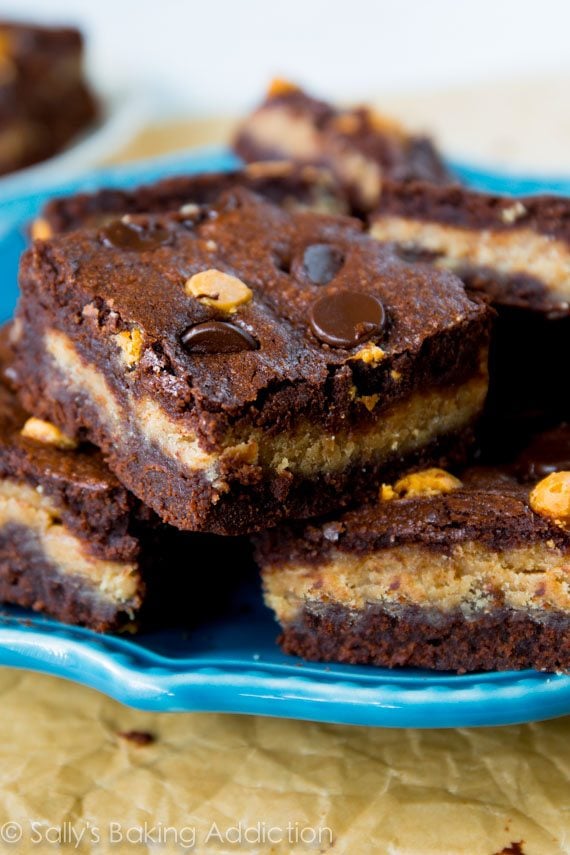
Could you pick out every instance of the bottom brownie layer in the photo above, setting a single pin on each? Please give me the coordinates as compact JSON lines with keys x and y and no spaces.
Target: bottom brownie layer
{"x":499,"y":640}
{"x":30,"y":579}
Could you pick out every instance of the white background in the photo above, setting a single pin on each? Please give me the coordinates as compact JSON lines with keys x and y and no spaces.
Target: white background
{"x":212,"y":56}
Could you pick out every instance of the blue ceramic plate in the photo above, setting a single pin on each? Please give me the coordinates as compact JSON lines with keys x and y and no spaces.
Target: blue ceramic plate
{"x":229,"y":662}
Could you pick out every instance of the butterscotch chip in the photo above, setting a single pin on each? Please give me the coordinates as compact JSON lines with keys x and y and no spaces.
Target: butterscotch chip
{"x":370,"y":354}
{"x":551,"y":498}
{"x":387,"y":493}
{"x":48,"y":433}
{"x":41,"y":229}
{"x":130,"y":343}
{"x":279,"y":86}
{"x":219,"y":290}
{"x":430,"y":482}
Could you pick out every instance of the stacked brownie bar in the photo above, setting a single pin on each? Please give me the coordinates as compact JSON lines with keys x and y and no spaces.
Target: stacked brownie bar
{"x":231,"y":372}
{"x":70,"y":533}
{"x":248,"y":359}
{"x":452,"y":573}
{"x":44,"y":99}
{"x":516,"y":254}
{"x":359,"y":146}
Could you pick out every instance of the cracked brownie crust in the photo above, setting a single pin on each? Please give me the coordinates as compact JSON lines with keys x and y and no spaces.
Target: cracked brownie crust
{"x":293,"y":187}
{"x":469,"y":576}
{"x":323,"y":366}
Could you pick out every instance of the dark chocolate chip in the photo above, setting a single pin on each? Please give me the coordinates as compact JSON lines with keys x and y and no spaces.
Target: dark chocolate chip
{"x":217,"y":337}
{"x":133,"y":236}
{"x":322,"y":262}
{"x":344,"y":318}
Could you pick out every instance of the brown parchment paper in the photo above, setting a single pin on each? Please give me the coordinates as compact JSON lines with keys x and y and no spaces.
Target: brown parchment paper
{"x":477,"y":791}
{"x":213,"y":783}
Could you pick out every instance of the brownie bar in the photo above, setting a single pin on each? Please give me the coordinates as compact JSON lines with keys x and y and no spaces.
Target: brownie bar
{"x":70,"y":533}
{"x":516,"y":251}
{"x":359,"y":146}
{"x":242,"y":364}
{"x":513,"y":251}
{"x":44,"y":100}
{"x":293,"y":187}
{"x":444,"y":573}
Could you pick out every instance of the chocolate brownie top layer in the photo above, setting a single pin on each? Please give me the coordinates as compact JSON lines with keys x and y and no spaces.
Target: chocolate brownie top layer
{"x":380,"y":140}
{"x":457,"y":206}
{"x":280,"y":182}
{"x":321,"y":292}
{"x":92,"y":502}
{"x":491,"y":507}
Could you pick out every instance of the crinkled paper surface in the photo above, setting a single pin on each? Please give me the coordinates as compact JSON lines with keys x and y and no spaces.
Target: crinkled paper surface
{"x":63,"y":765}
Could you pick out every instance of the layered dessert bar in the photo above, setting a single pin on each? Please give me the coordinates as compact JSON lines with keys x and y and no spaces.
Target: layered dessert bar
{"x":239,"y":364}
{"x":447,"y":573}
{"x":286,"y":184}
{"x":359,"y":146}
{"x":70,"y":534}
{"x":44,"y":99}
{"x":513,"y":251}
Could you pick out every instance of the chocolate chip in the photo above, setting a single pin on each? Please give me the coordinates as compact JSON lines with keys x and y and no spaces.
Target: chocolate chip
{"x":322,"y":262}
{"x":133,"y":236}
{"x":217,"y":337}
{"x":344,"y":318}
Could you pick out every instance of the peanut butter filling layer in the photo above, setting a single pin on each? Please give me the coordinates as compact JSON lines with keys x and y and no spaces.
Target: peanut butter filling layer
{"x":276,"y":128}
{"x":404,"y":428}
{"x":467,"y":578}
{"x":513,"y":251}
{"x":22,"y":505}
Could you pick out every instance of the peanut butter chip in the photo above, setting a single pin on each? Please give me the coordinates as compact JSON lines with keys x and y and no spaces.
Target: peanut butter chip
{"x":279,"y":87}
{"x":41,"y":229}
{"x":369,"y":354}
{"x":429,"y":482}
{"x":131,"y":344}
{"x":551,"y":498}
{"x":218,"y":290}
{"x":46,"y":432}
